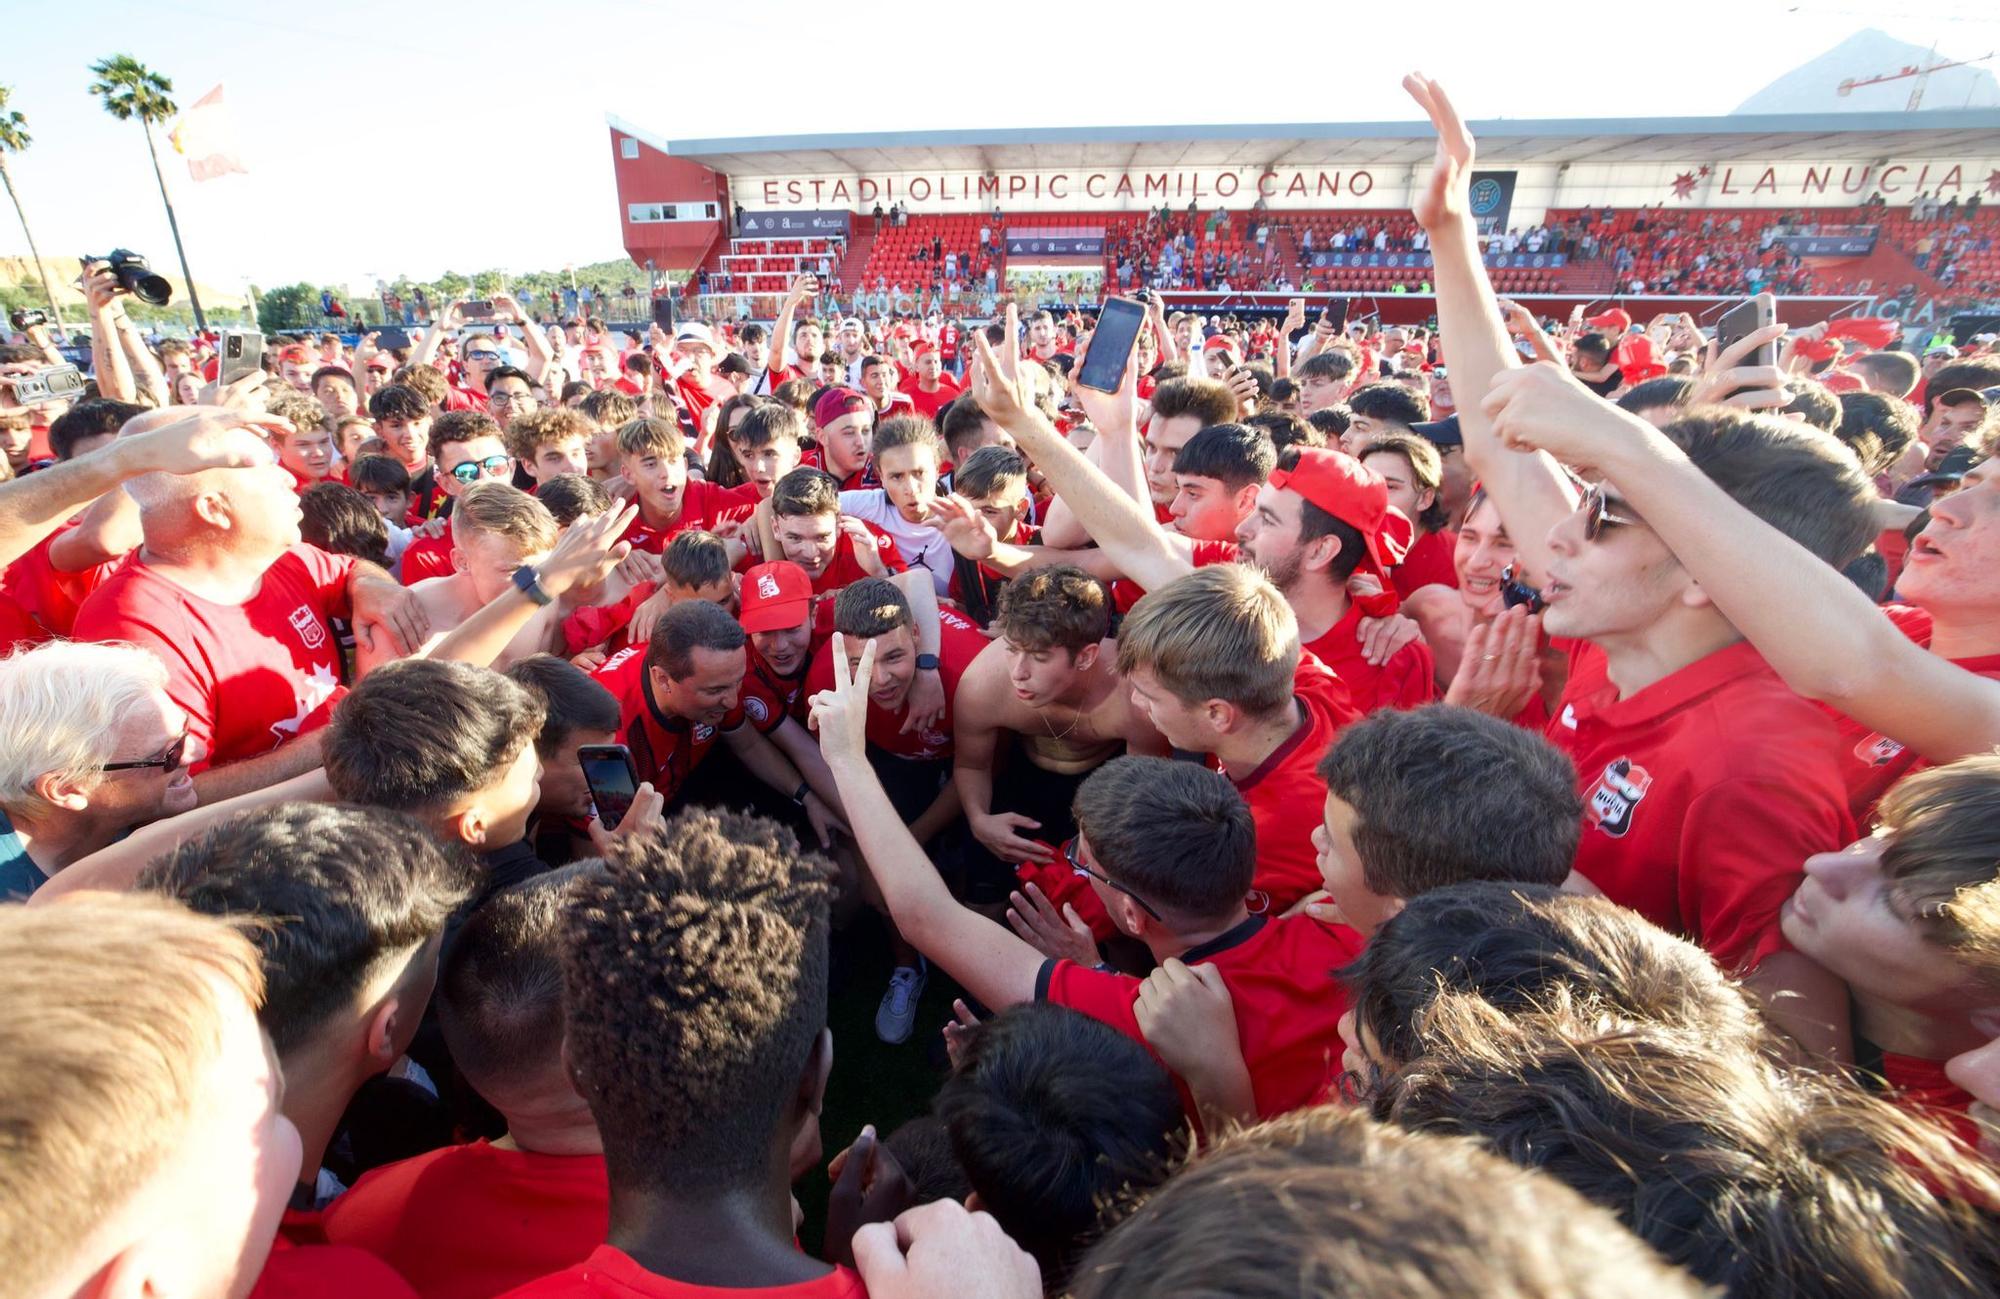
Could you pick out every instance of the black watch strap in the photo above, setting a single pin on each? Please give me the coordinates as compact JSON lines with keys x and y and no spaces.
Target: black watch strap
{"x":528,"y":582}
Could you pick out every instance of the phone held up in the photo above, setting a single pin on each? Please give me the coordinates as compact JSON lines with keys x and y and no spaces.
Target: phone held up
{"x":1118,"y":324}
{"x":612,"y":779}
{"x":242,"y":355}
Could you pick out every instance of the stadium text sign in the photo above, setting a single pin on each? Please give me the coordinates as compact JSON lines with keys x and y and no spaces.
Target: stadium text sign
{"x":974,"y":189}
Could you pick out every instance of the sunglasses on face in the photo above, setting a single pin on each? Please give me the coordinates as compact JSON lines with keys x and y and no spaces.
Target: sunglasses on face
{"x":471,"y":470}
{"x":1515,"y":593}
{"x":1076,"y":865}
{"x":484,"y":354}
{"x":1598,"y":515}
{"x":168,"y":759}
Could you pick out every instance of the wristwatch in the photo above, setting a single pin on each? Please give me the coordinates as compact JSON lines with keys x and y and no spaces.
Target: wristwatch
{"x":528,"y":582}
{"x":927,"y":662}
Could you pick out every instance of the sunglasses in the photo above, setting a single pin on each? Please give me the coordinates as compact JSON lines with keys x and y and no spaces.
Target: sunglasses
{"x":1076,"y":865}
{"x":471,"y":470}
{"x":507,"y":399}
{"x":168,"y":759}
{"x":1514,"y":592}
{"x":483,"y":354}
{"x":1597,"y":514}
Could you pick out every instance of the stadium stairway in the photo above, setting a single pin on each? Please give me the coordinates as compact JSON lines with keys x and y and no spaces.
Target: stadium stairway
{"x":860,"y":244}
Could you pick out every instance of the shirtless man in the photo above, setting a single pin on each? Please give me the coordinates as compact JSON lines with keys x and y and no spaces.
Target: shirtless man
{"x":496,"y":528}
{"x":1049,"y":679}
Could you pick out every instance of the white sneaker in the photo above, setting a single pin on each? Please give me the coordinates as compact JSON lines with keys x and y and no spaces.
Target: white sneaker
{"x":897,"y":1015}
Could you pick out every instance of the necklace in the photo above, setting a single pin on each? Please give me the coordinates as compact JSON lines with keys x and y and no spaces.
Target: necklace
{"x":1046,"y":725}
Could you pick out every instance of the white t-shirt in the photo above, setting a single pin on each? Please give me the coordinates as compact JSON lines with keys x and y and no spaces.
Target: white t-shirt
{"x":921,"y":545}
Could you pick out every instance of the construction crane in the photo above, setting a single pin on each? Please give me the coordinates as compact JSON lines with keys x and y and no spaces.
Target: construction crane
{"x":1923,"y":76}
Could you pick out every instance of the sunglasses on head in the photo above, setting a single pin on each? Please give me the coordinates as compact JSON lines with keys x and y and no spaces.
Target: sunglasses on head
{"x":1598,"y":515}
{"x":168,"y":759}
{"x":1070,"y":855}
{"x":471,"y":470}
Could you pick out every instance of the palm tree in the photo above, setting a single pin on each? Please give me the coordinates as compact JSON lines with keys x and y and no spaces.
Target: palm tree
{"x":14,"y":138}
{"x":130,"y":89}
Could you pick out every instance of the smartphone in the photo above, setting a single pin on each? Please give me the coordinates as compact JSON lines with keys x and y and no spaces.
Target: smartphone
{"x":1743,"y":319}
{"x":663,"y":313}
{"x":1335,"y":315}
{"x":479,"y":309}
{"x":242,"y":355}
{"x":392,"y":339}
{"x":1118,"y":325}
{"x":613,"y":780}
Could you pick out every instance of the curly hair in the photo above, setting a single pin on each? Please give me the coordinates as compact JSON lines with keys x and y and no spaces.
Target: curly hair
{"x":695,"y":981}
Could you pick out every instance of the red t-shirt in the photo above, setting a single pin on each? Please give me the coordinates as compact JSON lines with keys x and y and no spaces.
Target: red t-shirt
{"x":44,"y":598}
{"x":249,"y":676}
{"x":1871,"y":762}
{"x":959,"y":642}
{"x":427,"y":557}
{"x":1920,"y":1086}
{"x":1704,"y":793}
{"x":612,"y":1272}
{"x":783,"y":695}
{"x":470,"y":1221}
{"x":606,"y":624}
{"x":1125,"y":592}
{"x":664,"y":748}
{"x":1428,"y":563}
{"x":845,"y":569}
{"x":457,"y":398}
{"x":928,"y":404}
{"x":326,"y":1272}
{"x":1408,"y":679}
{"x":1286,"y":796}
{"x":703,"y":505}
{"x":1279,"y":971}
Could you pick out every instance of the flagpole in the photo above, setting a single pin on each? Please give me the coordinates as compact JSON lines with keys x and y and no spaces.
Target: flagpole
{"x":194,"y":300}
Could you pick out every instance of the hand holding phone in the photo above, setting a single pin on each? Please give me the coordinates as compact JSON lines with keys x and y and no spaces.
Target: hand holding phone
{"x":612,"y":779}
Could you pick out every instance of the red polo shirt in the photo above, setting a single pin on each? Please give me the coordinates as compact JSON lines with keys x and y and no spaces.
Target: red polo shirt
{"x":1279,"y":972}
{"x":1286,"y":796}
{"x":1871,"y":762}
{"x":1408,"y":679}
{"x":959,"y":642}
{"x":703,"y":505}
{"x":326,"y":1272}
{"x":612,"y":1273}
{"x":1704,"y":793}
{"x":665,"y":749}
{"x":845,"y":569}
{"x":1428,"y":563}
{"x":928,"y":404}
{"x":249,"y":676}
{"x":470,"y":1221}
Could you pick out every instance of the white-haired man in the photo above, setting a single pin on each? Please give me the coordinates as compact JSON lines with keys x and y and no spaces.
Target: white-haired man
{"x":90,"y":747}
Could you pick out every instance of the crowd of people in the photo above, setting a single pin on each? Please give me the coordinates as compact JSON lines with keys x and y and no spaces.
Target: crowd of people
{"x":1494,"y":810}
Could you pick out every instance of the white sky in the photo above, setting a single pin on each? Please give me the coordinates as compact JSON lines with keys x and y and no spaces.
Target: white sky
{"x":509,"y":99}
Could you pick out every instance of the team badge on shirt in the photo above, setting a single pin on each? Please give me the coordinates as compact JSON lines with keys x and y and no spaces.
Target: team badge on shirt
{"x":756,"y":709}
{"x":1616,"y":795}
{"x":307,"y":624}
{"x":1877,"y":750}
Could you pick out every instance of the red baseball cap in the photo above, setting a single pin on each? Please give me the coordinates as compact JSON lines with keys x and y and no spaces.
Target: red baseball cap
{"x":1359,"y":497}
{"x":1220,"y":343}
{"x":922,"y":348}
{"x":775,"y":596}
{"x":835,"y":402}
{"x":1612,"y":319}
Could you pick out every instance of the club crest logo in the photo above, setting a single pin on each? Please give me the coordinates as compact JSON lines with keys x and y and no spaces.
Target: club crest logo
{"x":307,"y":624}
{"x":756,"y":709}
{"x":1877,"y":750}
{"x":767,"y":587}
{"x":702,"y":732}
{"x":1616,"y":796}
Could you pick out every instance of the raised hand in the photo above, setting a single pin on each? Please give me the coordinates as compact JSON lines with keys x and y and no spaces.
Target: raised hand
{"x":1501,"y":667}
{"x":587,"y":551}
{"x":645,"y":818}
{"x":1726,"y":381}
{"x":942,"y":1248}
{"x":1111,"y":413}
{"x":207,"y":437}
{"x":965,"y":529}
{"x":840,"y":715}
{"x":1446,"y":196}
{"x":1543,"y":407}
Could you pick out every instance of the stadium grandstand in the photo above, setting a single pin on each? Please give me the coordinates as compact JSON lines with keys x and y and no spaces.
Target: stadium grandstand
{"x":1673,"y":210}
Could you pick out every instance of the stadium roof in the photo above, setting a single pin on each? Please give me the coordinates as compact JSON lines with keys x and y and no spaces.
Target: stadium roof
{"x":1776,"y":137}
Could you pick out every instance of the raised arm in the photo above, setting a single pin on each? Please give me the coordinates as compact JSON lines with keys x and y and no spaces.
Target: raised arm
{"x":1121,"y":526}
{"x":1825,"y":638}
{"x":206,"y":438}
{"x":108,"y":365}
{"x":442,"y":323}
{"x":1528,"y":489}
{"x":803,"y":288}
{"x":990,"y":962}
{"x":586,"y":552}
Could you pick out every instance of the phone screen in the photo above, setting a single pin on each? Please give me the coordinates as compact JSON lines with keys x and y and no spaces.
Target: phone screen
{"x":607,"y":770}
{"x":1747,"y":317}
{"x":1335,"y":314}
{"x":480,"y":310}
{"x":390,"y":340}
{"x":663,"y":313}
{"x":1118,"y":325}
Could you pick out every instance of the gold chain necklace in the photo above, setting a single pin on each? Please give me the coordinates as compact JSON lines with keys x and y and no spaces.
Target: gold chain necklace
{"x":1052,"y":730}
